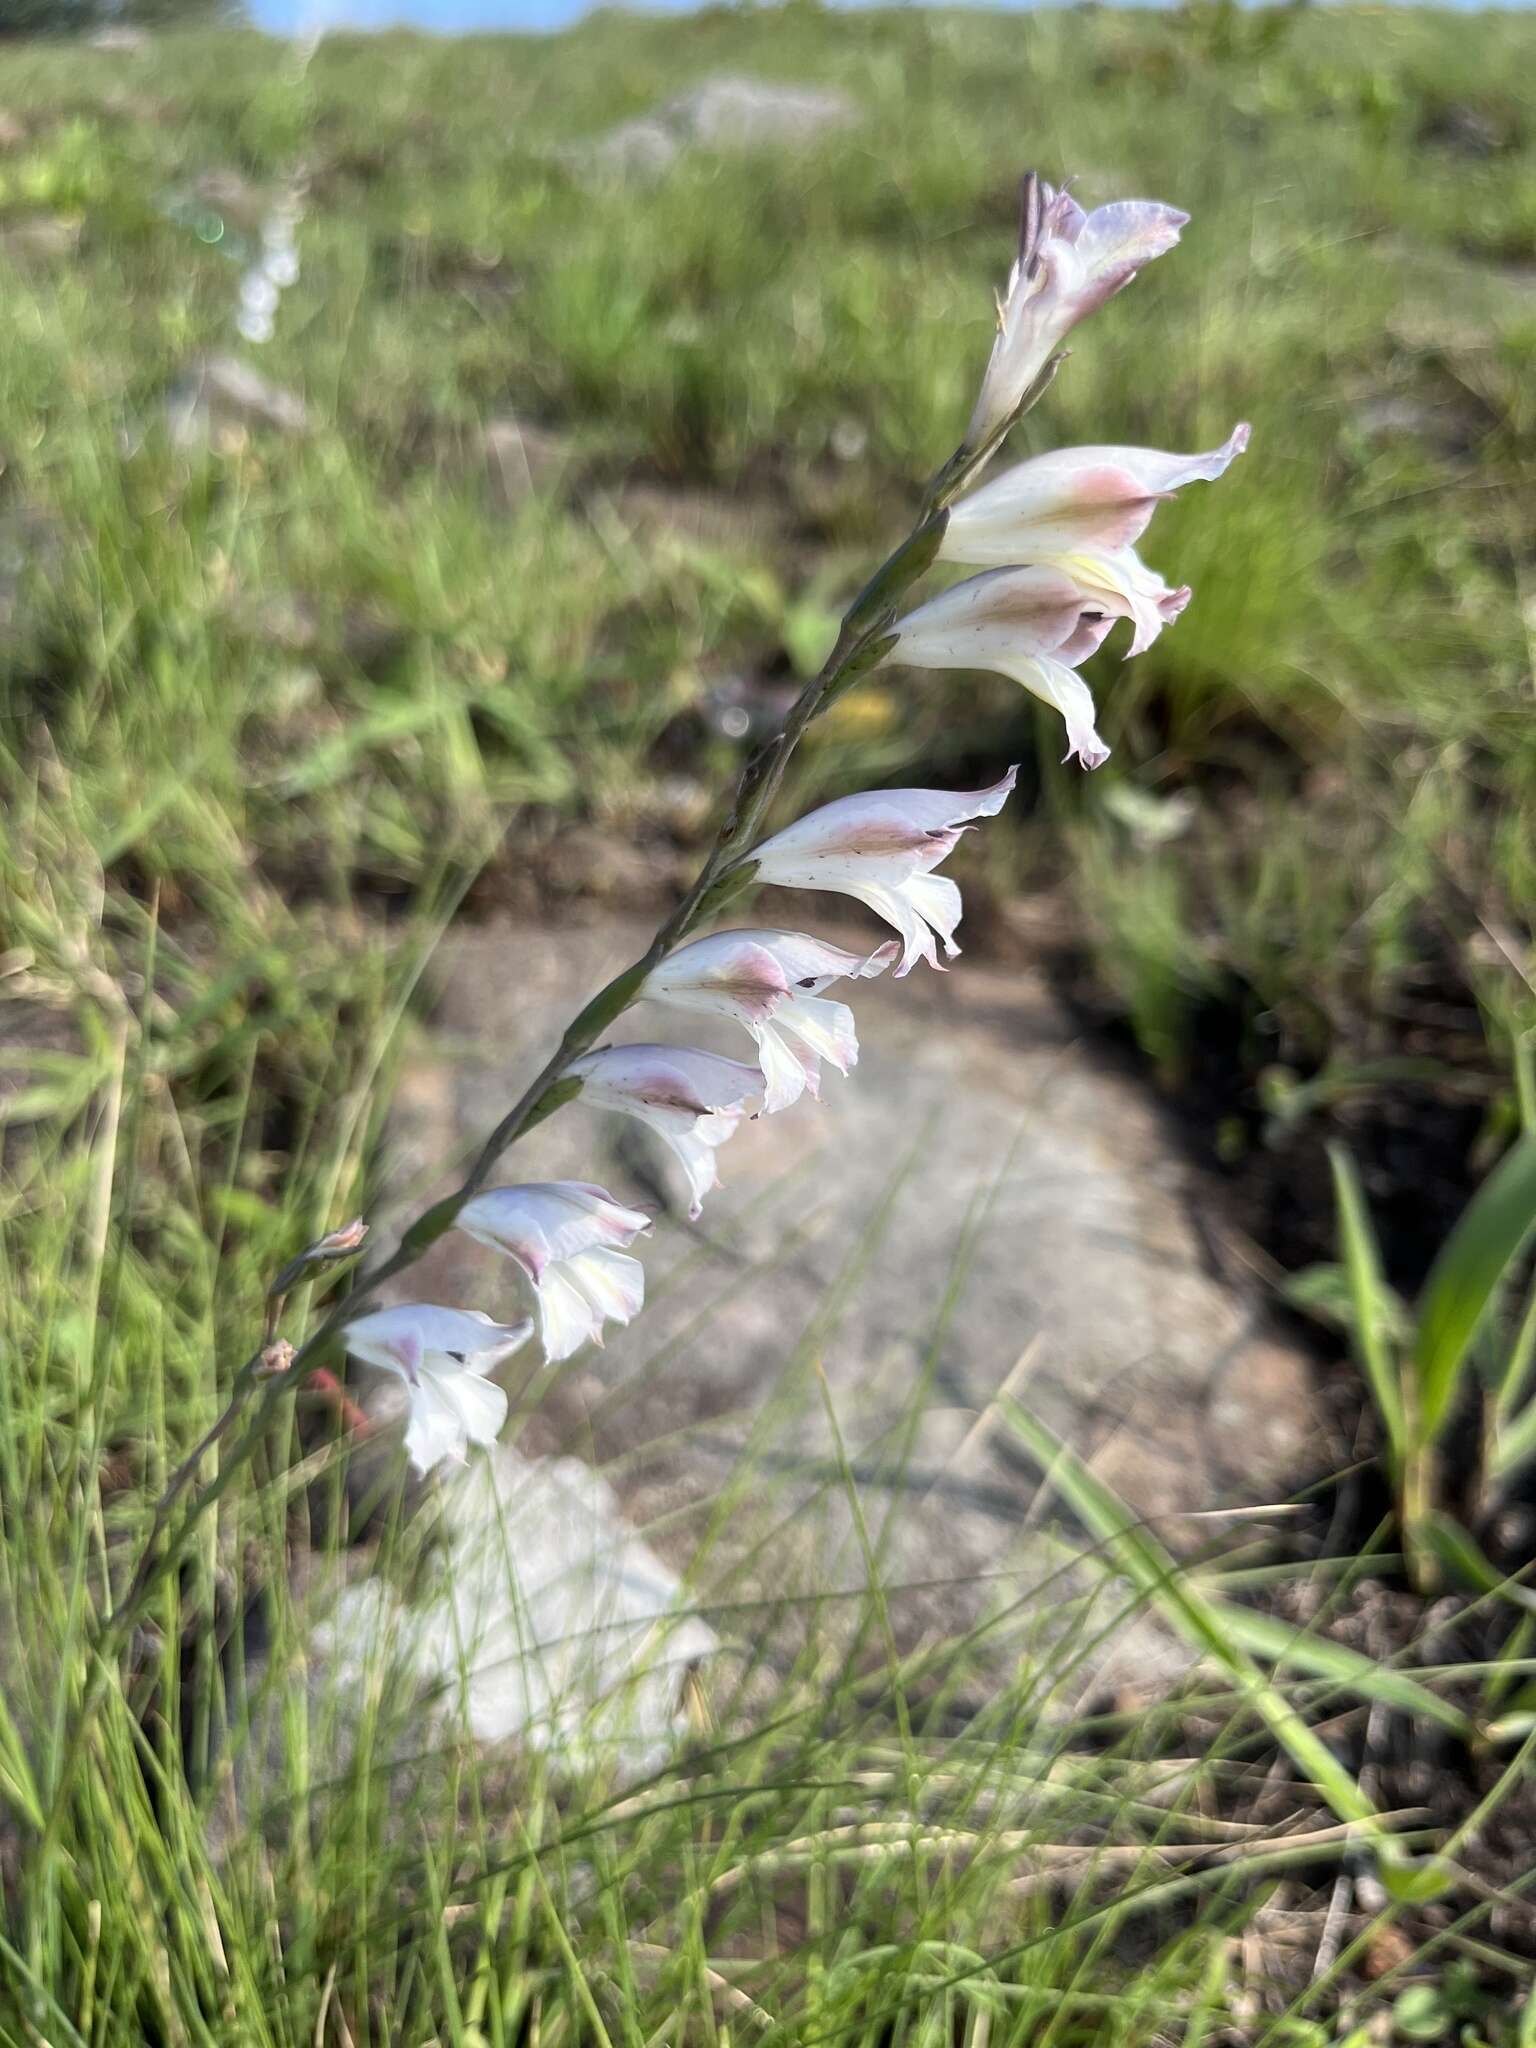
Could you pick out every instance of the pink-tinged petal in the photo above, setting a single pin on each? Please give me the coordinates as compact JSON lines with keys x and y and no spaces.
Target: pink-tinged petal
{"x":733,"y":974}
{"x":1069,"y":264}
{"x":669,"y":1082}
{"x":389,"y":1337}
{"x":692,"y":1099}
{"x":806,"y":960}
{"x":866,"y":830}
{"x":588,"y":1212}
{"x":1160,"y":473}
{"x":1040,"y":510}
{"x":1119,"y":239}
{"x":538,"y":1222}
{"x":1087,"y":640}
{"x":1123,"y":585}
{"x":1064,"y":219}
{"x":1027,"y":611}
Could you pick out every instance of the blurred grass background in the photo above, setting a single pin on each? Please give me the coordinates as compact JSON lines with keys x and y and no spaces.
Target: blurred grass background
{"x":273,"y":709}
{"x":299,"y":675}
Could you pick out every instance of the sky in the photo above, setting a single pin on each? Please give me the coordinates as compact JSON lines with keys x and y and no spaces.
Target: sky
{"x":452,"y":17}
{"x":447,"y":17}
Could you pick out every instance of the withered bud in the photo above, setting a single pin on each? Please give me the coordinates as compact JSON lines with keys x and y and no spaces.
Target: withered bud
{"x":277,"y":1358}
{"x":325,"y":1251}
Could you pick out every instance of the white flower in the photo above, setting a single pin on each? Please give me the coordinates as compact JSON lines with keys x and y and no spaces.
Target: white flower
{"x":442,"y":1354}
{"x":281,"y":266}
{"x":255,"y":326}
{"x":1075,"y":497}
{"x":882,"y":848}
{"x":1069,"y":263}
{"x":569,"y":1238}
{"x":1034,"y":625}
{"x":772,"y":983}
{"x":693,"y":1099}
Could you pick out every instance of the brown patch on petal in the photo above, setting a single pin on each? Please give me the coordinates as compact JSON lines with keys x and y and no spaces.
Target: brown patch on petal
{"x":759,"y":999}
{"x":884,"y":836}
{"x":664,"y":1098}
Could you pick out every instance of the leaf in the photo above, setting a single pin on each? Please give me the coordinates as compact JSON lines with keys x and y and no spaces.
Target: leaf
{"x":1459,"y":1553}
{"x":1462,"y":1282}
{"x":1420,"y":2014}
{"x":1322,"y":1292}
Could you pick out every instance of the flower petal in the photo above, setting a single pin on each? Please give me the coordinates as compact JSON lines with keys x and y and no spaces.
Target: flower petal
{"x":1057,"y":685}
{"x":788,"y":1070}
{"x":1019,"y":610}
{"x":1075,"y":497}
{"x":872,"y":828}
{"x":537,"y":1222}
{"x":567,"y":1319}
{"x":825,"y":1027}
{"x":389,"y":1337}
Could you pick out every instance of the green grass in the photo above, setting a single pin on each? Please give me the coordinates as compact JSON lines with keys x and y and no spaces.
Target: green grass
{"x":225,"y":853}
{"x":1358,"y":650}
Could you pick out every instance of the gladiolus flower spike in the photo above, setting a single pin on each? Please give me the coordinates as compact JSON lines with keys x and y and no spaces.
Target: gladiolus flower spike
{"x":1055,"y":541}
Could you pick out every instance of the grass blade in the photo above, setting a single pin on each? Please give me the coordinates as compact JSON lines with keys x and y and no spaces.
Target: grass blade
{"x":1491,"y":1230}
{"x":1278,"y":1642}
{"x":1201,"y":1622}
